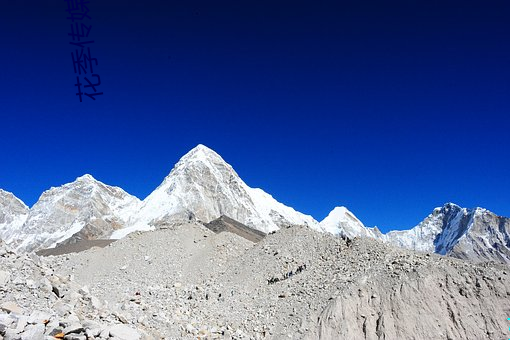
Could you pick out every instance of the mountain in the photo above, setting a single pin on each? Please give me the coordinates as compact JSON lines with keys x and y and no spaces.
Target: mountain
{"x":474,"y":234}
{"x":203,"y":187}
{"x":13,"y":213}
{"x":342,"y":222}
{"x":83,"y":209}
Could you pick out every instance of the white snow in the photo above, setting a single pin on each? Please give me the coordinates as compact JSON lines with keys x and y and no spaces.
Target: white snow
{"x":64,"y":211}
{"x":13,"y":214}
{"x":342,"y":222}
{"x":204,"y":185}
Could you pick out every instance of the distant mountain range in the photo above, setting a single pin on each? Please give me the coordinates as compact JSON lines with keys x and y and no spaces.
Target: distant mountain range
{"x":203,"y":187}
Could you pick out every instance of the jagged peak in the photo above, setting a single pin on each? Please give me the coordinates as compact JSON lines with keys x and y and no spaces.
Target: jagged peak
{"x":197,"y":157}
{"x":455,"y":207}
{"x":10,"y":195}
{"x":85,"y":182}
{"x":451,"y":205}
{"x":5,"y":193}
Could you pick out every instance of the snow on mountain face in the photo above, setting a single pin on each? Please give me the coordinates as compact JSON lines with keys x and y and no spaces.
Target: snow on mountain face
{"x":342,"y":222}
{"x":423,"y":236}
{"x":202,"y":186}
{"x":474,"y":234}
{"x":84,"y":209}
{"x":487,"y":238}
{"x":13,"y":213}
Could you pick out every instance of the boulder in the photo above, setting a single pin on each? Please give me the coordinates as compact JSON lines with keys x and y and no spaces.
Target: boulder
{"x":123,"y":332}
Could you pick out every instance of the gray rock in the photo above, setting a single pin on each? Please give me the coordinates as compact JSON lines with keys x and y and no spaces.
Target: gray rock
{"x":93,"y":332}
{"x":105,"y":333}
{"x":33,"y":332}
{"x":31,"y":284}
{"x":45,"y":285}
{"x":62,"y":309}
{"x":52,"y":331}
{"x":21,"y":324}
{"x":75,"y":337}
{"x":123,"y":332}
{"x":38,"y":317}
{"x":6,"y":320}
{"x":84,"y":291}
{"x":11,"y":307}
{"x":4,"y":277}
{"x":95,"y":303}
{"x":11,"y":334}
{"x":73,"y":328}
{"x":91,"y":324}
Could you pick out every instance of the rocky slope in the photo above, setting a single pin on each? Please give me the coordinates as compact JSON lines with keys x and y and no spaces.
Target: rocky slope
{"x":184,"y":281}
{"x":84,"y":209}
{"x":203,"y":187}
{"x":13,"y":213}
{"x":37,"y":303}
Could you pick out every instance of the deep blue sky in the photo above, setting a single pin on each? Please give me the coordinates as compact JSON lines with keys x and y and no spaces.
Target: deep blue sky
{"x":390,"y":108}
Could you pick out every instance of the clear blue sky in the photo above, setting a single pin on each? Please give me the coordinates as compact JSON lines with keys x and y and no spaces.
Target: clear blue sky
{"x":390,"y":108}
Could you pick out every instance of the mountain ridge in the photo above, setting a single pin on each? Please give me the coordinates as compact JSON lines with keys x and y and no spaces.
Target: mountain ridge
{"x":202,"y":187}
{"x":82,"y":209}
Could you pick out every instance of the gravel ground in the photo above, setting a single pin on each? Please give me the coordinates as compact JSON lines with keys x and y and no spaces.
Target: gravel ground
{"x":184,"y":281}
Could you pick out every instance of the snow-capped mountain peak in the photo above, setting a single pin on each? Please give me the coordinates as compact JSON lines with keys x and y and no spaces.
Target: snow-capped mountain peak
{"x":475,"y":234}
{"x":83,"y":209}
{"x":342,"y":222}
{"x":202,"y":186}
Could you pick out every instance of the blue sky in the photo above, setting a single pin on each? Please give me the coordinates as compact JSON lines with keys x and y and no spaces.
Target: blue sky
{"x":389,"y":108}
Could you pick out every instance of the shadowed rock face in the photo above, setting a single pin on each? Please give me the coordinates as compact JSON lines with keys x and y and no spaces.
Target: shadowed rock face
{"x":488,"y":239}
{"x":472,"y":234}
{"x":225,"y":223}
{"x":74,"y":247}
